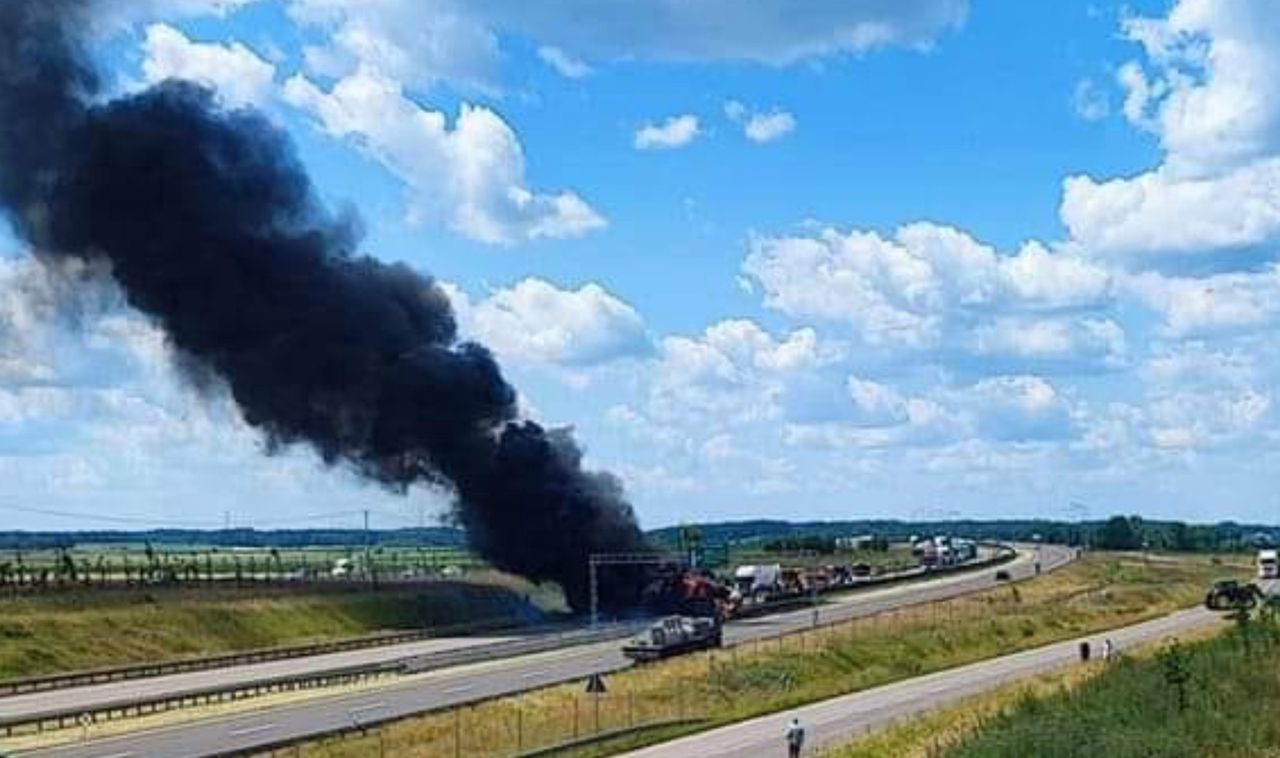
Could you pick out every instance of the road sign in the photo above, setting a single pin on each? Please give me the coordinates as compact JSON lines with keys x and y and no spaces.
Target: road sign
{"x":595,"y":685}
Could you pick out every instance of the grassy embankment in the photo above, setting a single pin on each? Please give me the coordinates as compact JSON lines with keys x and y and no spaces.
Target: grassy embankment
{"x":1230,"y":707}
{"x":1100,"y":592}
{"x":79,"y":629}
{"x":933,"y":733}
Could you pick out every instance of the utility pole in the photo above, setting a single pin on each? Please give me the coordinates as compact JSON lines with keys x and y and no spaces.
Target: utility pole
{"x":368,"y":564}
{"x":595,"y":594}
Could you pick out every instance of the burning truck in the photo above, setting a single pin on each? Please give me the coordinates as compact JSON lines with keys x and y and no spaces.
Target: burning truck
{"x":696,"y":606}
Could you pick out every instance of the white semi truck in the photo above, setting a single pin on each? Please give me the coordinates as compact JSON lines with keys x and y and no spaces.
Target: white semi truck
{"x":1267,"y":567}
{"x":757,"y":583}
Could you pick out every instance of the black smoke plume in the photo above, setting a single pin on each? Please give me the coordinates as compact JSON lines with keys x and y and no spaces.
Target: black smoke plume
{"x":212,"y":228}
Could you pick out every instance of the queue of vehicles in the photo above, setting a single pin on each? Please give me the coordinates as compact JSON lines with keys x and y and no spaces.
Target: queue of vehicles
{"x":707,"y":602}
{"x":944,"y":551}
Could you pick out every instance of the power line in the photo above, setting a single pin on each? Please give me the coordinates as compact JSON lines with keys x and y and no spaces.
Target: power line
{"x":133,"y":520}
{"x":306,"y":518}
{"x":160,"y":523}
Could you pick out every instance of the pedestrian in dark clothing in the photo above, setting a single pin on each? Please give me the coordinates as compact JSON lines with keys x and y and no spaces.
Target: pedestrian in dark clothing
{"x":795,"y":738}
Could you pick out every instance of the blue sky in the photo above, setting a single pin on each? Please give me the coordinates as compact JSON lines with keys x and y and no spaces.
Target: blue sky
{"x":809,"y":259}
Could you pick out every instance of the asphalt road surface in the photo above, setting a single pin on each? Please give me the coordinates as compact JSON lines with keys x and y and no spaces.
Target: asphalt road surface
{"x":834,"y":722}
{"x":163,"y":686}
{"x":465,"y":684}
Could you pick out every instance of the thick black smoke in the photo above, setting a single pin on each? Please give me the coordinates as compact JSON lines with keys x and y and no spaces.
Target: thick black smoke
{"x":212,"y":228}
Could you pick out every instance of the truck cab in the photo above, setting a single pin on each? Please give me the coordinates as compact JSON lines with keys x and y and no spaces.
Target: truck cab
{"x":758,"y":583}
{"x":1267,"y":566}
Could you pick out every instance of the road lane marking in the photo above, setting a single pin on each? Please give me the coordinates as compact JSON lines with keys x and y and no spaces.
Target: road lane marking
{"x":250,"y":730}
{"x":368,"y":707}
{"x":532,"y":674}
{"x":125,"y":754}
{"x":458,"y":688}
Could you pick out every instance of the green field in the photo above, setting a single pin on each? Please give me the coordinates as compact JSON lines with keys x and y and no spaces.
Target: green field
{"x":103,"y":564}
{"x":77,"y":629}
{"x":1230,"y":707}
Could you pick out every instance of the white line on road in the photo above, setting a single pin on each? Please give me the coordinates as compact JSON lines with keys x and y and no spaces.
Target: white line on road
{"x":459,"y":688}
{"x":367,"y":707}
{"x":125,"y":754}
{"x":250,"y":730}
{"x":532,"y":674}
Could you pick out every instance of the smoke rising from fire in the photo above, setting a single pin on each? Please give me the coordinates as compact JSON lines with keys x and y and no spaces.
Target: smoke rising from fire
{"x":211,"y":226}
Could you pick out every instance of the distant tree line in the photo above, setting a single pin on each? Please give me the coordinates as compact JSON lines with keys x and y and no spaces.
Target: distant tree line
{"x":1135,"y":533}
{"x":441,"y":536}
{"x":1115,"y":533}
{"x":820,"y":544}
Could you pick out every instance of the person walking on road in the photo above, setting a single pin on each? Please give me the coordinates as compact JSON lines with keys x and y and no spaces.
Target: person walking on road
{"x":1107,"y":649}
{"x":795,"y":738}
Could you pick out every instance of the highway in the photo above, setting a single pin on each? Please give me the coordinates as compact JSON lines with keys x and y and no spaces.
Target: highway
{"x":840,"y":720}
{"x":89,"y":697}
{"x":500,"y":677}
{"x":161,"y":686}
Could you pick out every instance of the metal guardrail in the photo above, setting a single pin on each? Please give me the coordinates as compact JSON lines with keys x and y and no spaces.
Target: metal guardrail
{"x":108,"y":710}
{"x":124,"y":707}
{"x":227,"y":660}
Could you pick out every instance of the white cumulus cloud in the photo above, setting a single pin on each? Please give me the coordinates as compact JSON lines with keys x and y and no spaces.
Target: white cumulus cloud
{"x":904,"y":290}
{"x":675,"y":131}
{"x":470,"y":176}
{"x":1222,"y":304}
{"x":240,"y":76}
{"x":1018,"y":408}
{"x":536,"y":322}
{"x":1159,"y":212}
{"x":1209,"y":90}
{"x":1089,"y":340}
{"x":760,"y":127}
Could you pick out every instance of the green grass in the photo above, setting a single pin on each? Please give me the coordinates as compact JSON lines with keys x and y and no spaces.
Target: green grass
{"x":1232,"y":708}
{"x":79,"y":629}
